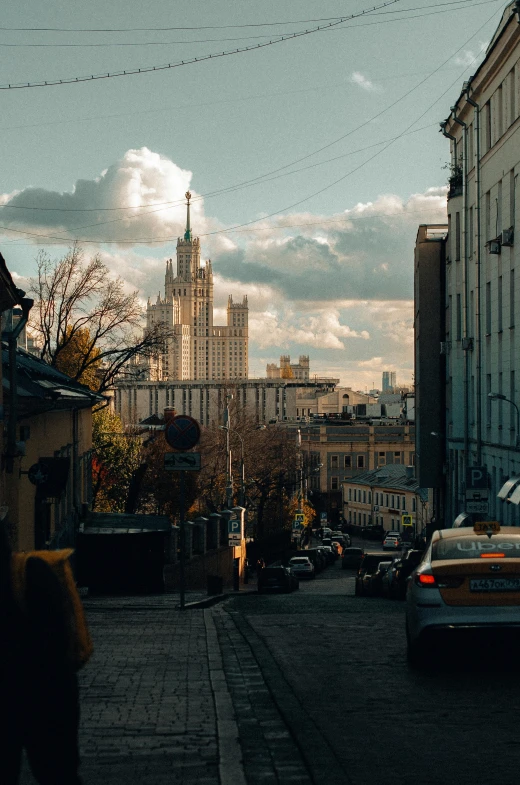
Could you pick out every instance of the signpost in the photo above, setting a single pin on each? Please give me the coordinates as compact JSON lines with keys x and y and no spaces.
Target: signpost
{"x":477,"y":490}
{"x":182,"y":433}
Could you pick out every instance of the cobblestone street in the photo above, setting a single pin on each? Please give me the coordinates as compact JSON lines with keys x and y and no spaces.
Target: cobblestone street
{"x":309,"y":688}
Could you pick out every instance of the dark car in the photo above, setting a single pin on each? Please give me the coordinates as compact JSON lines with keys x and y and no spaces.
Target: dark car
{"x":368,"y":566}
{"x":277,"y":578}
{"x":401,"y":569}
{"x":351,"y":558}
{"x":373,"y":583}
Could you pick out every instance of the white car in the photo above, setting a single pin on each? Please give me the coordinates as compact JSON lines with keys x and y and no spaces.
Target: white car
{"x":392,"y":542}
{"x":302,"y":567}
{"x":467,"y":580}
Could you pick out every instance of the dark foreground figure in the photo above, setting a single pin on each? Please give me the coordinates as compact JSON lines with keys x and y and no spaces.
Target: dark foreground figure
{"x":38,"y":685}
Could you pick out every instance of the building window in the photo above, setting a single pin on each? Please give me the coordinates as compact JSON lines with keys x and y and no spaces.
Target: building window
{"x":512,"y":298}
{"x":499,"y":309}
{"x":334,"y":462}
{"x":381,"y":458}
{"x":414,"y":504}
{"x":364,"y":497}
{"x":488,"y":308}
{"x":334,"y":483}
{"x":361,"y":461}
{"x":457,"y":237}
{"x":348,"y":461}
{"x":458,"y":319}
{"x":350,"y":494}
{"x":397,"y":457}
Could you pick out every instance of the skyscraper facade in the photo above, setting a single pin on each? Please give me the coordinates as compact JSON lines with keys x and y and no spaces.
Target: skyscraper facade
{"x":198,"y":349}
{"x":389,"y":381}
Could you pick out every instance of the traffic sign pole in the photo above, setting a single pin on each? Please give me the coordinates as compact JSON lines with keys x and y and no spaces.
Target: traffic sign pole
{"x":182,"y":543}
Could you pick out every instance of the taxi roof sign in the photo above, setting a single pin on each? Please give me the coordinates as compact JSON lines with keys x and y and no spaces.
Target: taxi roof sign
{"x":486,"y":527}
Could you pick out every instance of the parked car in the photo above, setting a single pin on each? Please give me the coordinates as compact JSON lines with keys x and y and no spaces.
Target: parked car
{"x":317,"y":559}
{"x":468,"y":582}
{"x":325,"y":554}
{"x":401,"y":569}
{"x":351,"y":558}
{"x":367,"y":566}
{"x":277,"y":578}
{"x":388,"y":579}
{"x":375,"y":532}
{"x":331,"y":553}
{"x":302,"y":567}
{"x":374,"y":583}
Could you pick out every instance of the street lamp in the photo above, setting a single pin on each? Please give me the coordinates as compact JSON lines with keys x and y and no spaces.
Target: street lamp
{"x":499,"y":397}
{"x":229,"y":487}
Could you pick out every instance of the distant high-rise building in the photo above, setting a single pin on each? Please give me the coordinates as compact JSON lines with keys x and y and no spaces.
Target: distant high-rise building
{"x":389,"y":381}
{"x":198,"y":349}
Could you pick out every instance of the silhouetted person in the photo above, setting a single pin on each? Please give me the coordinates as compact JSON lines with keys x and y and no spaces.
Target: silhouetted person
{"x":39,"y":703}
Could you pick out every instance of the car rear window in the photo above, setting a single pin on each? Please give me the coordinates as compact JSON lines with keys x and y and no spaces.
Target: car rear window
{"x":299,"y":560}
{"x":352,"y":551}
{"x":473,"y":547}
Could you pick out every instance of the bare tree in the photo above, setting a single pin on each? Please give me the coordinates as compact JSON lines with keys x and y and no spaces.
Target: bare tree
{"x":75,"y":297}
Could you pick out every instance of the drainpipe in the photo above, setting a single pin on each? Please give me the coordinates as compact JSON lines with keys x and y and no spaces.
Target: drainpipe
{"x":478,"y":320}
{"x":26,"y":304}
{"x":465,"y":348}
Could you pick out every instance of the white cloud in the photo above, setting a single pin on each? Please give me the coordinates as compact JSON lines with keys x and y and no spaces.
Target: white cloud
{"x":471,"y":57}
{"x":359,"y":79}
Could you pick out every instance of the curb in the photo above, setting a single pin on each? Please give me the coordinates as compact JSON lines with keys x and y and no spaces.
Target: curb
{"x":207,"y":602}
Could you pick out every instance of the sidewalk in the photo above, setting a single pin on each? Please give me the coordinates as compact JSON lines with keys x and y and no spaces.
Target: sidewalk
{"x":154,"y":703}
{"x":177,"y":698}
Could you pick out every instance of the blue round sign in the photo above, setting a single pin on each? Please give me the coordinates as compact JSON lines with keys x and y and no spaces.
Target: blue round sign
{"x":183,"y":432}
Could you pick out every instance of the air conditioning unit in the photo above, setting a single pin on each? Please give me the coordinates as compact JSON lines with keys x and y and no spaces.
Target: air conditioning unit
{"x":508,"y":237}
{"x":445,"y":347}
{"x":467,"y":344}
{"x":494,"y":247}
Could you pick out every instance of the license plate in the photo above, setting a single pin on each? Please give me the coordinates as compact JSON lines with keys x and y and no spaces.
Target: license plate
{"x":494,"y":584}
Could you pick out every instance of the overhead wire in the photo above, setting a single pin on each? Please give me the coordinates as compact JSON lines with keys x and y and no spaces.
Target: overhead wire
{"x":198,"y":27}
{"x":192,"y":60}
{"x":115,"y":44}
{"x":278,"y":212}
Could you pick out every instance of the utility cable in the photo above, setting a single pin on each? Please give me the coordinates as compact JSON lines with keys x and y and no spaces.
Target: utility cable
{"x":112,"y":44}
{"x":191,"y":61}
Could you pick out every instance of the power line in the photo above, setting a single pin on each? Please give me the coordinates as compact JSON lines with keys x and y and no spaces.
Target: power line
{"x":191,"y":61}
{"x":295,"y":204}
{"x":112,"y":44}
{"x":199,"y":27}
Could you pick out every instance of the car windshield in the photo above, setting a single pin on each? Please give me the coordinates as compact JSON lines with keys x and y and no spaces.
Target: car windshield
{"x":476,"y":547}
{"x":299,"y":561}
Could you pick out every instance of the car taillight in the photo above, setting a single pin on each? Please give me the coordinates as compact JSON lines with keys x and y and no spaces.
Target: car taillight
{"x":492,"y":555}
{"x":426,"y":580}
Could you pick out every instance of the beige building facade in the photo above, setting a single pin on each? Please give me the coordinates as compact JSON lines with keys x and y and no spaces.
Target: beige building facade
{"x":482,"y":291}
{"x":198,"y":349}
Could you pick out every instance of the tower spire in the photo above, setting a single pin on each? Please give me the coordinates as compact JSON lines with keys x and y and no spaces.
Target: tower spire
{"x":187,"y":233}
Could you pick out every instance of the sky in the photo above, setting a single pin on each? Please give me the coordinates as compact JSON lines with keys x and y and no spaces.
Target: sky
{"x":312,"y":160}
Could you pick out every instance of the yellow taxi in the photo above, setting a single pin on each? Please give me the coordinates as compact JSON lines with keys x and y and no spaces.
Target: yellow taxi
{"x":468,"y":579}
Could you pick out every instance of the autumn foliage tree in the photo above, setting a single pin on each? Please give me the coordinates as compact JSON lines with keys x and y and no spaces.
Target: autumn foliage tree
{"x":116,"y":456}
{"x":86,"y":320}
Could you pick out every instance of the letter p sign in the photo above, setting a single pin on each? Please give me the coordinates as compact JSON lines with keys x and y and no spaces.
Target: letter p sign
{"x":476,"y":477}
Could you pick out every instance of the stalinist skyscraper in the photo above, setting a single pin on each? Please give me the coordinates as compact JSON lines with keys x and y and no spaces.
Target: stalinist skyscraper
{"x":199,"y":350}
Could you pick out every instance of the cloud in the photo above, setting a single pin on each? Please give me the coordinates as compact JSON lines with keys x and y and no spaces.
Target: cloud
{"x":469,"y":57}
{"x":359,"y":79}
{"x":141,"y":196}
{"x":366,"y":252}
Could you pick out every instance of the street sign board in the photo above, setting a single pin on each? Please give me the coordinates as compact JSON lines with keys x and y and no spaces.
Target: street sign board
{"x":406,"y":520}
{"x":182,"y":461}
{"x":235,"y":533}
{"x":297,"y":525}
{"x":299,"y":516}
{"x":477,"y":507}
{"x":182,"y":432}
{"x":476,"y":477}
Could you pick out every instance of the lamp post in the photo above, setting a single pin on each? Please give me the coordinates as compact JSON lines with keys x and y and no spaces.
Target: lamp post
{"x":500,"y":397}
{"x":229,"y":481}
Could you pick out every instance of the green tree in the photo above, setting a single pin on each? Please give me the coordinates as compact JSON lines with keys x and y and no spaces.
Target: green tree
{"x":116,"y":455}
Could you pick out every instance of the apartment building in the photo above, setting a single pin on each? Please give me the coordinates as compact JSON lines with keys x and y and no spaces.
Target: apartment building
{"x":482,"y":271}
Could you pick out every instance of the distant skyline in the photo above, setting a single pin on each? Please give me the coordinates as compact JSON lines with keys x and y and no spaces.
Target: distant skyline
{"x":312,"y":162}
